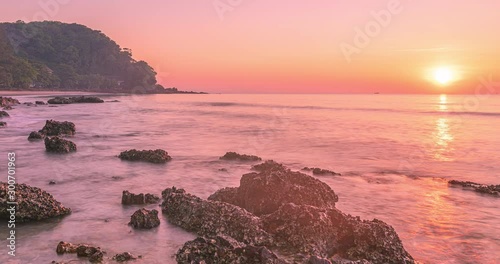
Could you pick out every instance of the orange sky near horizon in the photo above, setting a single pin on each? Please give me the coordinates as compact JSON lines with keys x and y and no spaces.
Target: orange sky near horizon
{"x":255,"y":46}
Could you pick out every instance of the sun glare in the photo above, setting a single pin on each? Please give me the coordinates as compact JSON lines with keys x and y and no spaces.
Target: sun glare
{"x":443,"y":75}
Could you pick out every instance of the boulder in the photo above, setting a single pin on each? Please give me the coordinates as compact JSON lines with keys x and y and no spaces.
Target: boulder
{"x":321,"y":172}
{"x":33,"y":204}
{"x":66,"y":247}
{"x":268,"y":165}
{"x":145,"y":219}
{"x":56,"y":128}
{"x":40,"y":103}
{"x":8,"y":101}
{"x":125,"y":256}
{"x":59,"y":145}
{"x":3,"y":124}
{"x":493,"y":190}
{"x":35,"y":136}
{"x":240,"y":157}
{"x":212,"y":218}
{"x":223,"y":249}
{"x":264,"y":192}
{"x":75,"y":100}
{"x":4,"y":114}
{"x":94,"y":254}
{"x":153,"y":156}
{"x":129,"y":198}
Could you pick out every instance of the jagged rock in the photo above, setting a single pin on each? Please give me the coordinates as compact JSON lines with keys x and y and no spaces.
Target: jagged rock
{"x":35,"y":136}
{"x":153,"y":156}
{"x":125,"y":256}
{"x":264,"y":192}
{"x":59,"y":145}
{"x":223,"y":249}
{"x":321,"y":172}
{"x":240,"y":157}
{"x":8,"y":101}
{"x":145,"y":219}
{"x":40,"y":103}
{"x":211,"y":218}
{"x":268,"y":165}
{"x":477,"y":187}
{"x":75,"y":100}
{"x":130,"y":198}
{"x":55,"y":128}
{"x":227,"y":195}
{"x":33,"y":204}
{"x":327,"y":231}
{"x":3,"y":124}
{"x":4,"y":114}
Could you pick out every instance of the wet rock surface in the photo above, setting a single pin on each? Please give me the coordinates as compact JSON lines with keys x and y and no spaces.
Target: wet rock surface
{"x":145,"y":219}
{"x":239,"y":157}
{"x":8,"y":101}
{"x":493,"y":190}
{"x":94,"y":254}
{"x":34,"y":136}
{"x":264,"y":192}
{"x":33,"y":204}
{"x":129,"y":198}
{"x":75,"y":100}
{"x":222,"y":249}
{"x":56,"y":128}
{"x":59,"y":145}
{"x":4,"y":114}
{"x":153,"y":156}
{"x":125,"y":256}
{"x":321,"y":172}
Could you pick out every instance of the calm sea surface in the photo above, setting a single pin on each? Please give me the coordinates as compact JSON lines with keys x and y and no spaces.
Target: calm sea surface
{"x":395,"y":153}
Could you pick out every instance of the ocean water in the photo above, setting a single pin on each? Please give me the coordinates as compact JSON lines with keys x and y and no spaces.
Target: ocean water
{"x":395,"y":153}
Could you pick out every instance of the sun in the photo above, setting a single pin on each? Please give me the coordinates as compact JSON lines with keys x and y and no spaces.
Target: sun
{"x":443,"y":75}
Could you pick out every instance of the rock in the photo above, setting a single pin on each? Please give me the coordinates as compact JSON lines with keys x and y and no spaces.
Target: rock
{"x":223,"y":249}
{"x":94,"y":254}
{"x":145,"y":219}
{"x":8,"y":101}
{"x":4,"y":114}
{"x":3,"y":124}
{"x":268,"y":165}
{"x":327,"y":231}
{"x":56,"y":128}
{"x":29,"y":104}
{"x":40,"y":103}
{"x":34,"y":204}
{"x":130,"y":198}
{"x":240,"y":157}
{"x":227,"y":195}
{"x":222,"y":169}
{"x":8,"y":108}
{"x":35,"y":136}
{"x":65,"y":247}
{"x":153,"y":156}
{"x":321,"y":172}
{"x":318,"y":260}
{"x":211,"y":218}
{"x":113,"y":101}
{"x":480,"y":188}
{"x":75,"y":100}
{"x":264,"y":192}
{"x":59,"y":145}
{"x":52,"y":182}
{"x":125,"y":256}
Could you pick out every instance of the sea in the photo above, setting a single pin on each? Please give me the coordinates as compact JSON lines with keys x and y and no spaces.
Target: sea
{"x":396,"y":154}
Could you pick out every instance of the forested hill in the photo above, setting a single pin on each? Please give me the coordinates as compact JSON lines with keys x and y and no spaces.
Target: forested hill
{"x":55,"y":55}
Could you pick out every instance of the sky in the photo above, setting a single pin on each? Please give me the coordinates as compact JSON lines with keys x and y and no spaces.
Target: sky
{"x":295,"y":46}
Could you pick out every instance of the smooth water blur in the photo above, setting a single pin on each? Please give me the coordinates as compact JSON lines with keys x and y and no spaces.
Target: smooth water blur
{"x":395,"y":153}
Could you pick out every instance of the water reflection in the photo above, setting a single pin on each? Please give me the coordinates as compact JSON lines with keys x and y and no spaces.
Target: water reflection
{"x":443,"y":100}
{"x":442,"y":140}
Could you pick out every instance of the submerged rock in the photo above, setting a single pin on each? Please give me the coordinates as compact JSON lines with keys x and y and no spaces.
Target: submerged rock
{"x":153,"y":156}
{"x":223,"y":249}
{"x":33,"y":204}
{"x":35,"y":136}
{"x":212,"y":218}
{"x":75,"y":100}
{"x":8,"y":101}
{"x":59,"y":145}
{"x":94,"y":254}
{"x":125,"y":256}
{"x":4,"y":114}
{"x":40,"y":103}
{"x":3,"y":124}
{"x":240,"y":157}
{"x":321,"y":172}
{"x":129,"y":198}
{"x":145,"y":219}
{"x":480,"y":188}
{"x":56,"y":128}
{"x":264,"y":192}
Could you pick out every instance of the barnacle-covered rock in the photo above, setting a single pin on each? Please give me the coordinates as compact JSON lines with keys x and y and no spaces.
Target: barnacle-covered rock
{"x":480,"y":188}
{"x":129,"y":198}
{"x":59,"y":145}
{"x":8,"y":101}
{"x":240,"y":157}
{"x":153,"y":156}
{"x":35,"y":136}
{"x":321,"y":172}
{"x":56,"y":128}
{"x":145,"y":219}
{"x":75,"y":100}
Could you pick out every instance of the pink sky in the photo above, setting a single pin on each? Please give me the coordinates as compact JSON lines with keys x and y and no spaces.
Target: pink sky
{"x":293,"y":46}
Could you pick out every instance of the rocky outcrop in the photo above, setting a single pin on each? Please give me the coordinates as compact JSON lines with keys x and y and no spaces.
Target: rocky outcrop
{"x":56,"y":128}
{"x":268,"y":165}
{"x":264,"y":192}
{"x":239,"y":157}
{"x":4,"y":114}
{"x":8,"y":101}
{"x":94,"y":254}
{"x":223,"y":249}
{"x":125,"y":256}
{"x":33,"y":204}
{"x":129,"y":198}
{"x":321,"y":172}
{"x":59,"y":145}
{"x":153,"y":156}
{"x":75,"y":100}
{"x":3,"y":124}
{"x":34,"y":136}
{"x":144,"y":219}
{"x":493,"y":190}
{"x":212,"y":218}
